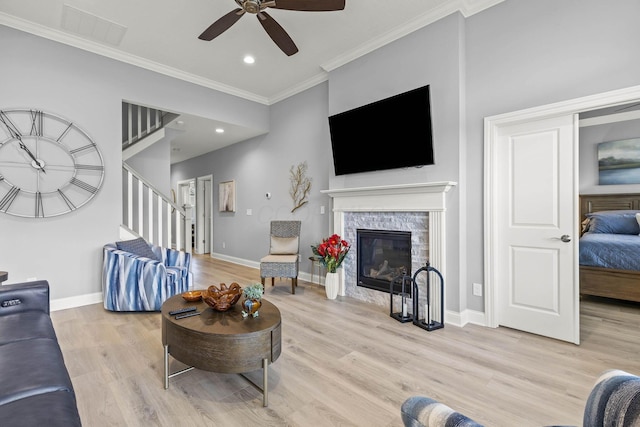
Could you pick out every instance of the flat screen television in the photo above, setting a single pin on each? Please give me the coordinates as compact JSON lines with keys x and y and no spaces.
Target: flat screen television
{"x":388,"y":134}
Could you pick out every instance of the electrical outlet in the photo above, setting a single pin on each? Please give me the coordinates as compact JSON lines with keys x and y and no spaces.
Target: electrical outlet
{"x":477,"y":289}
{"x":224,"y":245}
{"x":321,"y":210}
{"x":249,"y":212}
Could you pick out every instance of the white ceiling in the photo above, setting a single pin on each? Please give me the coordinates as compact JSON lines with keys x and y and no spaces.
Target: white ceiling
{"x":162,"y":35}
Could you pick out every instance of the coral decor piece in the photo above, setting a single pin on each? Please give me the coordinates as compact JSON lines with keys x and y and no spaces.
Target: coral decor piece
{"x":300,"y":185}
{"x":223,"y":298}
{"x":331,"y":252}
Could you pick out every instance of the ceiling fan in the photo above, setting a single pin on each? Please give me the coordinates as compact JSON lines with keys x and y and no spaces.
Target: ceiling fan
{"x":273,"y":29}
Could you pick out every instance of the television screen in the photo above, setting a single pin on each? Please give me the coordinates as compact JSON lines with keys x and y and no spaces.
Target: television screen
{"x":388,"y":134}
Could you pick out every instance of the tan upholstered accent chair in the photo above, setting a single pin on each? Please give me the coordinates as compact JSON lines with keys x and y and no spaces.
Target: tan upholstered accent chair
{"x":284,"y":249}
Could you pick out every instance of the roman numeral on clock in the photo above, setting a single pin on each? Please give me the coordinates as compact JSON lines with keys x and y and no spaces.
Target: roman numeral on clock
{"x":37,"y":123}
{"x":39,"y":207}
{"x":8,"y":198}
{"x":79,"y":183}
{"x":66,"y":200}
{"x":84,"y":147}
{"x":11,"y":128}
{"x":89,"y":167}
{"x":64,"y":132}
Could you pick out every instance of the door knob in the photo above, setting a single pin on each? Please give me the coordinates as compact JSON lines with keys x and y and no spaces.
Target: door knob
{"x":565,"y":238}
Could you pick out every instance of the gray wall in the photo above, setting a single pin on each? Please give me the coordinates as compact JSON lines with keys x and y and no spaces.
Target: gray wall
{"x":153,"y":163}
{"x":299,"y":132}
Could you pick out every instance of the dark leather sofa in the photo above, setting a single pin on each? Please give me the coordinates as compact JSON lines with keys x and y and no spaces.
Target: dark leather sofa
{"x":35,"y":387}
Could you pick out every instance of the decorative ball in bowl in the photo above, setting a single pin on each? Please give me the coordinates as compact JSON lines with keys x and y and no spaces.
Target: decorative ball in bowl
{"x":192,"y":296}
{"x":222,"y":298}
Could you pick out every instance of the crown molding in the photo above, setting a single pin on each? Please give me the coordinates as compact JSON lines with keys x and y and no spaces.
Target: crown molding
{"x":99,"y":49}
{"x":322,"y":76}
{"x":465,"y":7}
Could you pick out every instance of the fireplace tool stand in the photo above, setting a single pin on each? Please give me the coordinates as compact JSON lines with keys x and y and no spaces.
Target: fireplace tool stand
{"x":403,"y":316}
{"x":428,"y":322}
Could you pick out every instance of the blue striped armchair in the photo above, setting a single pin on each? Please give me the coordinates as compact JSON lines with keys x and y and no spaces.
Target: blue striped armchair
{"x":614,"y":401}
{"x":140,"y":277}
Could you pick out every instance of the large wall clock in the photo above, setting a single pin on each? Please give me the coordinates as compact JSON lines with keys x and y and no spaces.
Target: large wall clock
{"x":48,"y":165}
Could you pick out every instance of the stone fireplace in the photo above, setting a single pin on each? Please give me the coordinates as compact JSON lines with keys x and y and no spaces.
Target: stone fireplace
{"x":416,"y":208}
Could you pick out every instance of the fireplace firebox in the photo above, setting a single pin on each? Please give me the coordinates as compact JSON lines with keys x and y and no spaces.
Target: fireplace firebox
{"x":384,"y":256}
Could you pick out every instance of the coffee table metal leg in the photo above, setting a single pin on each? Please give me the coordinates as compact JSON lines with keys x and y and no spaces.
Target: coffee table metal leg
{"x":166,"y":367}
{"x":264,"y":389}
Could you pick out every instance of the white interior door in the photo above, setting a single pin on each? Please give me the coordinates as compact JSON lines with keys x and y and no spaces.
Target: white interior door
{"x":536,"y":222}
{"x":203,"y":214}
{"x":187,"y":197}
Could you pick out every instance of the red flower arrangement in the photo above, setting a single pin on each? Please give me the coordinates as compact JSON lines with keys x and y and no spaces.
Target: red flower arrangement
{"x":331,"y":252}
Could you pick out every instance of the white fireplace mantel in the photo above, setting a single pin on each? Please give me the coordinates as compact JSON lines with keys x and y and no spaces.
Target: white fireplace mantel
{"x":418,"y":197}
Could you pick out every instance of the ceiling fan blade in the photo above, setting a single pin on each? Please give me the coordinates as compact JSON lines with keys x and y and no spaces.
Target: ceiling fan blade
{"x":309,"y":5}
{"x":221,"y":25}
{"x":277,"y":34}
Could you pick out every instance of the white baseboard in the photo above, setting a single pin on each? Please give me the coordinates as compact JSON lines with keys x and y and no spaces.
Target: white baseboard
{"x":73,"y":302}
{"x":464,"y":317}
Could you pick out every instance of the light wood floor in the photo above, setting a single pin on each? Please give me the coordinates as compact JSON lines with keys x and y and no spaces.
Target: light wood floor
{"x":343,"y":363}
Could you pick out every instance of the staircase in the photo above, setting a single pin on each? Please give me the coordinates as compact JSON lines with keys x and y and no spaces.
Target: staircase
{"x":146,"y":212}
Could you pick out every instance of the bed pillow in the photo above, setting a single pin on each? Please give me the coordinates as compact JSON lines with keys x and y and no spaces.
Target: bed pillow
{"x":613,"y":222}
{"x":138,"y":247}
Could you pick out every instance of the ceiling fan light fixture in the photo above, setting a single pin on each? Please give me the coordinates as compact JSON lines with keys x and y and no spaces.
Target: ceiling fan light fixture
{"x":251,"y":6}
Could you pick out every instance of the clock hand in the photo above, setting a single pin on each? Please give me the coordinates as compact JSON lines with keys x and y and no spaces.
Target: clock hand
{"x":25,"y":148}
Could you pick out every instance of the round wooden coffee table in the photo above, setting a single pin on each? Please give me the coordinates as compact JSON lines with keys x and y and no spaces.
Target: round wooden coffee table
{"x":222,"y":342}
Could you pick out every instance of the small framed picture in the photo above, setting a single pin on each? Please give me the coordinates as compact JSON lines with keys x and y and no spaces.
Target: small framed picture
{"x":227,"y":196}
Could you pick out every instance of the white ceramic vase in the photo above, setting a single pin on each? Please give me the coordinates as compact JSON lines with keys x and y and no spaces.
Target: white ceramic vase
{"x":331,"y":283}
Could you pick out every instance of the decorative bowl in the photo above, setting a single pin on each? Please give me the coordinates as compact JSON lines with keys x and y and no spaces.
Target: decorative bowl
{"x":192,"y":296}
{"x":222,"y":298}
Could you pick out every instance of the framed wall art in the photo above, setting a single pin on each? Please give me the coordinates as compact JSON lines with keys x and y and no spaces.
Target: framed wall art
{"x":227,"y":196}
{"x":619,"y":162}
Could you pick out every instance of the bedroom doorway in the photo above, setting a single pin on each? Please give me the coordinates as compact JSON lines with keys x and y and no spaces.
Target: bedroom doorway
{"x":511,"y":299}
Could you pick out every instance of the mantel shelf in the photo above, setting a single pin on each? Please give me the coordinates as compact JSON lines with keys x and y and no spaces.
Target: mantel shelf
{"x":424,"y":187}
{"x":419,"y":197}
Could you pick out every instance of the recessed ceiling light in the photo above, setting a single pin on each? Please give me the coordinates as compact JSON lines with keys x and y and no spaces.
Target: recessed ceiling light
{"x":249,"y":59}
{"x":219,"y":130}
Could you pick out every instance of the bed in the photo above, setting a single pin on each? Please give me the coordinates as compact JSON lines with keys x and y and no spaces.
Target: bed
{"x":610,"y":246}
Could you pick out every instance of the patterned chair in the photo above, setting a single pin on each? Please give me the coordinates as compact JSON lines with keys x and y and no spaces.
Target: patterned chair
{"x":140,"y":276}
{"x":614,"y":401}
{"x":284,"y":248}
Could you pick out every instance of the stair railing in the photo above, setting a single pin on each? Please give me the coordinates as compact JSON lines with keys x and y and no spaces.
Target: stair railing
{"x":139,"y":122}
{"x":150,"y":214}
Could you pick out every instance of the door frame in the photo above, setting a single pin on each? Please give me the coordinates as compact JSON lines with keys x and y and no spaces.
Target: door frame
{"x":492,"y":126}
{"x":200,"y":225}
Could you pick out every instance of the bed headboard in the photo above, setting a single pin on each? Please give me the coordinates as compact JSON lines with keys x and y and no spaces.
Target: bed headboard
{"x":608,"y":202}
